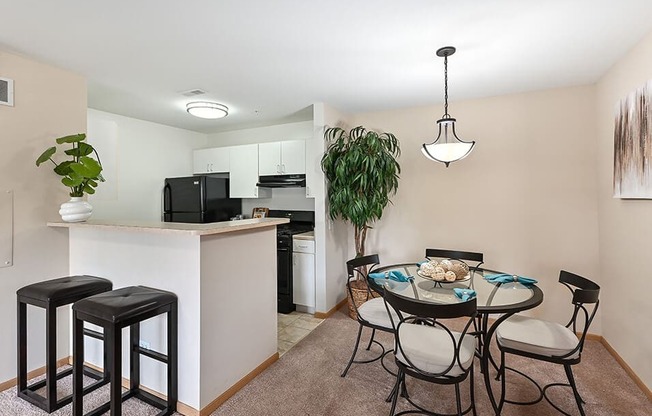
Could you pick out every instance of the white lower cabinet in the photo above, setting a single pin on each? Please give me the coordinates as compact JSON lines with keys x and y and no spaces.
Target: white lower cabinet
{"x":303,"y":274}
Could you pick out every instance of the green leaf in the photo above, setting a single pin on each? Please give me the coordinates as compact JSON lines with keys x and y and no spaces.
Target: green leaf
{"x":83,"y":149}
{"x":46,"y":155}
{"x":63,"y":168}
{"x":86,"y":167}
{"x":75,"y":138}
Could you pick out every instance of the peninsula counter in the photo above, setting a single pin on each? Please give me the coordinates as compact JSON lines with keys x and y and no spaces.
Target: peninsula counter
{"x":225,"y":277}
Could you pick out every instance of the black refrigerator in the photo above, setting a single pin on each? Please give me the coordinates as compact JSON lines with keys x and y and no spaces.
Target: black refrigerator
{"x":199,"y":199}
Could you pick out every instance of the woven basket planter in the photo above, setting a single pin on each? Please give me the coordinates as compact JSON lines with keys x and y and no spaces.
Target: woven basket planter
{"x":360,"y":294}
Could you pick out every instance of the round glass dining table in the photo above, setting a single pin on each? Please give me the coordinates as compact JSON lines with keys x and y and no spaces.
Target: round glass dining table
{"x":509,"y":297}
{"x":504,"y":299}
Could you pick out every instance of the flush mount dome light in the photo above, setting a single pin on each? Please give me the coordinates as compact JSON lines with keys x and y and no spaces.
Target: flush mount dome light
{"x":207,"y":109}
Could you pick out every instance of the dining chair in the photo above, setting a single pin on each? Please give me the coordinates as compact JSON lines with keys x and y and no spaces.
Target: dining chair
{"x":427,"y":349}
{"x":550,"y":341}
{"x":370,"y":314}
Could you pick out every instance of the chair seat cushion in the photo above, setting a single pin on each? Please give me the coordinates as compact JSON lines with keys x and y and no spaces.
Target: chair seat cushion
{"x":374,"y":312}
{"x":65,"y":289}
{"x":535,"y":336}
{"x":431,"y":349}
{"x":124,"y":303}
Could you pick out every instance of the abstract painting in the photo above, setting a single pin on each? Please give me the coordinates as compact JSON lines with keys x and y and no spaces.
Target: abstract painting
{"x":633,"y":145}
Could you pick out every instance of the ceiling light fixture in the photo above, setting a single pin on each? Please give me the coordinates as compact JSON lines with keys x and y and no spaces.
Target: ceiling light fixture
{"x":447,"y":147}
{"x":207,"y":109}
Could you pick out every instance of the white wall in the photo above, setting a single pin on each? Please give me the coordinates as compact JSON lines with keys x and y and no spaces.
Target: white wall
{"x":625,"y":227}
{"x":331,"y":237}
{"x":49,"y":103}
{"x":525,"y":197}
{"x":136,"y":159}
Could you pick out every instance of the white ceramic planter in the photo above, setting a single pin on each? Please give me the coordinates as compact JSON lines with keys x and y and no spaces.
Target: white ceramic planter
{"x":75,"y":210}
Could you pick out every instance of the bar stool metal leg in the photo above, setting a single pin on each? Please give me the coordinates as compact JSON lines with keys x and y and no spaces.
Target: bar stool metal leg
{"x":134,"y":356}
{"x":51,"y":354}
{"x":22,"y":346}
{"x":78,"y":363}
{"x":115,"y":335}
{"x":173,"y":354}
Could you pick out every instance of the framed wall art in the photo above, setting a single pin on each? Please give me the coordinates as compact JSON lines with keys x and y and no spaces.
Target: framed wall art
{"x":6,"y":91}
{"x":633,"y":145}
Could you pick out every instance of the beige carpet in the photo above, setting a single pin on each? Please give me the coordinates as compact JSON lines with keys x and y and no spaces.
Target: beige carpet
{"x":306,"y":381}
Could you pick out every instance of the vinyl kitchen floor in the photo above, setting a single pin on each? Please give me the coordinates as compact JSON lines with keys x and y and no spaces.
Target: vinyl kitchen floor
{"x":293,"y":327}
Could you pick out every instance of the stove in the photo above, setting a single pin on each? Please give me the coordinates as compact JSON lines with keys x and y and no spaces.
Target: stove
{"x":300,"y":222}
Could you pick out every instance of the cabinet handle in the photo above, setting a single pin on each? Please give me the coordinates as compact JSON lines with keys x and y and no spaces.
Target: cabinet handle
{"x":278,"y":168}
{"x":282,"y":168}
{"x":255,"y":191}
{"x":307,"y":190}
{"x":208,"y":167}
{"x":211,"y":167}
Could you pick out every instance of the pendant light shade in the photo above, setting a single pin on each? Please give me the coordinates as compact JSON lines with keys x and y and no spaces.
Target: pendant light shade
{"x":207,"y":109}
{"x":447,"y":147}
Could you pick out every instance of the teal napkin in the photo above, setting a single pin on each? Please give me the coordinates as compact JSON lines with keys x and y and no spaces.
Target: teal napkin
{"x":392,"y":275}
{"x":507,"y":278}
{"x":464,"y":294}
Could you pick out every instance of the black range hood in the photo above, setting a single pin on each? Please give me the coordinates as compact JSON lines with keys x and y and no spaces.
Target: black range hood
{"x":282,"y":181}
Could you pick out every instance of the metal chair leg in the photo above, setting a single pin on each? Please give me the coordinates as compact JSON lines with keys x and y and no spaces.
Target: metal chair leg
{"x":355,"y":350}
{"x":501,"y":372}
{"x":371,"y":340}
{"x":571,"y":380}
{"x":400,"y":378}
{"x":458,"y":399}
{"x":472,"y":392}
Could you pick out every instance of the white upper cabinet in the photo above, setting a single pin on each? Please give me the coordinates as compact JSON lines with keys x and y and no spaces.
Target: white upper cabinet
{"x":215,"y":160}
{"x":244,"y":173}
{"x":313,"y":167}
{"x":282,"y":158}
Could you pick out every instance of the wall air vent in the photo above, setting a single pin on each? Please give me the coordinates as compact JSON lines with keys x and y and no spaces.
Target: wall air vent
{"x":7,"y":91}
{"x":193,"y":93}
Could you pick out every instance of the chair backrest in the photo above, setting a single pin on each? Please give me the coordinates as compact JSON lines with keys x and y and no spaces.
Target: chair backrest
{"x":585,"y":292}
{"x":411,"y":311}
{"x":357,"y":269}
{"x":357,"y":264}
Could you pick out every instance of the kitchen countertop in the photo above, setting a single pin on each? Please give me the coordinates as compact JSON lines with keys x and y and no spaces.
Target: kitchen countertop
{"x":177,"y":227}
{"x":310,"y":235}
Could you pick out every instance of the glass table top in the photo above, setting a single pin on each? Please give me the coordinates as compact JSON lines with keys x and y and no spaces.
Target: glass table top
{"x":491,"y":297}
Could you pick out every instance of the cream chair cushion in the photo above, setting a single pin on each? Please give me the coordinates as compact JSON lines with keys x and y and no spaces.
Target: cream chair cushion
{"x":374,"y":312}
{"x":536,"y":336}
{"x":431,"y":349}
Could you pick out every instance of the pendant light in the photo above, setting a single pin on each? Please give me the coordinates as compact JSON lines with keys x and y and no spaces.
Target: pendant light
{"x":447,"y":147}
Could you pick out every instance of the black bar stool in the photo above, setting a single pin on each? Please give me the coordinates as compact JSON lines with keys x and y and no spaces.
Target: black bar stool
{"x":49,"y":295}
{"x":126,"y":307}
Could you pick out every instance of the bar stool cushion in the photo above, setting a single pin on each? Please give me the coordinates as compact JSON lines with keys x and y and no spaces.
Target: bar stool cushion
{"x":124,"y":303}
{"x":536,"y":336}
{"x":70,"y":287}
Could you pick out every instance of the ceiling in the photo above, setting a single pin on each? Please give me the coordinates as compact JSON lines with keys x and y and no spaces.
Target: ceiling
{"x":268,"y":61}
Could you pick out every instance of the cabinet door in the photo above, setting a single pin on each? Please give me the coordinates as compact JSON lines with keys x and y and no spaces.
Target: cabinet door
{"x":201,"y":161}
{"x":269,"y":158}
{"x":303,"y":273}
{"x":215,"y":160}
{"x":244,"y":171}
{"x":293,"y":157}
{"x":313,"y":167}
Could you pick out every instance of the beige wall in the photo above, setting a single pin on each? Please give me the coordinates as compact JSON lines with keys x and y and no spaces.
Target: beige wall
{"x":526,"y":196}
{"x":625,"y":227}
{"x":49,"y":103}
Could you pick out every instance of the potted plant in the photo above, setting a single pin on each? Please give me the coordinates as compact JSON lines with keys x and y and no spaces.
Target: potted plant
{"x":81,"y":173}
{"x":362,"y":173}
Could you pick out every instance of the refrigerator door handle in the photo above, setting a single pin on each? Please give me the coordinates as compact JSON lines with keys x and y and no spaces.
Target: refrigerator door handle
{"x":167,"y":201}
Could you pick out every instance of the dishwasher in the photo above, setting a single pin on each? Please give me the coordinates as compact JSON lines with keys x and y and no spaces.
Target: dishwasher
{"x":303,"y":274}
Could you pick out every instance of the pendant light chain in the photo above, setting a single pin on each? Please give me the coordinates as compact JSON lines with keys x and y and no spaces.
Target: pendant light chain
{"x":446,"y":115}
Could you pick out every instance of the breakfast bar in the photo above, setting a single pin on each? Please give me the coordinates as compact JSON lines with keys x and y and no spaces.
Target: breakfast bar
{"x":224,"y":275}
